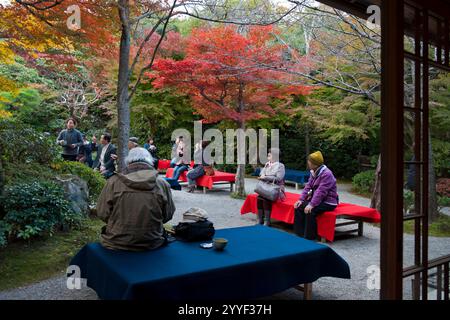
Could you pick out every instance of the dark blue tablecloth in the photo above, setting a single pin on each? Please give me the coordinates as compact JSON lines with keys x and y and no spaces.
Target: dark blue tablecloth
{"x":258,"y":261}
{"x":290,"y":175}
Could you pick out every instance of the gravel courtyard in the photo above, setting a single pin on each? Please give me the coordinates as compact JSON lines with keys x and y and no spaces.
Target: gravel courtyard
{"x":359,"y":252}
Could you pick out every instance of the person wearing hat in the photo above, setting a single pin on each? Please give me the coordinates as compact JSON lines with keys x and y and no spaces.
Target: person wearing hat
{"x":133,"y":142}
{"x":318,"y":196}
{"x":273,"y":172}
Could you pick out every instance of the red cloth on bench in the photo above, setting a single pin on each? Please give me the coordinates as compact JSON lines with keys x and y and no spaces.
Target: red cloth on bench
{"x":326,"y":222}
{"x":163,"y":164}
{"x":206,"y":181}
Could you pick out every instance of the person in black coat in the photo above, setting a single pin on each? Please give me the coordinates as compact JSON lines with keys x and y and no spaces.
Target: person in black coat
{"x":85,"y":152}
{"x":106,"y":155}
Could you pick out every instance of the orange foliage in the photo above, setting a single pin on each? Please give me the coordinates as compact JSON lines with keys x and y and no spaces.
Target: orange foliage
{"x":231,"y":75}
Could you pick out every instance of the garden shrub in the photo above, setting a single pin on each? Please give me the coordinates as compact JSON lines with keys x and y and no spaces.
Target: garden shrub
{"x":93,"y":178}
{"x":364,"y":182}
{"x":21,"y":172}
{"x":408,"y":201}
{"x":231,"y":168}
{"x":37,"y":208}
{"x":4,"y":231}
{"x":444,"y":201}
{"x":443,"y":187}
{"x":22,"y":144}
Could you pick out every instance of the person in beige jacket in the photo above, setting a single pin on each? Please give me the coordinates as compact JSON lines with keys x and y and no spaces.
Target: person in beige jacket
{"x":135,"y":204}
{"x":273,"y":171}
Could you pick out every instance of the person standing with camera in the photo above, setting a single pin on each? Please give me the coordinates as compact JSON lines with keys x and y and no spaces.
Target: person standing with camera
{"x":70,"y":139}
{"x":318,"y":196}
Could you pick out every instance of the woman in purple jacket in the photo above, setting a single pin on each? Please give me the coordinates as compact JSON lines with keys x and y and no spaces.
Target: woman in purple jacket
{"x":320,"y":195}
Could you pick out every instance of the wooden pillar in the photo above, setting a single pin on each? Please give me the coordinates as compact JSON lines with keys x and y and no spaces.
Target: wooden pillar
{"x":391,"y":246}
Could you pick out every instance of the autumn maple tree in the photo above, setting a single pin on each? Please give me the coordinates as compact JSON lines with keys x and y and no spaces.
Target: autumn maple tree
{"x":128,"y":21}
{"x":230,"y":76}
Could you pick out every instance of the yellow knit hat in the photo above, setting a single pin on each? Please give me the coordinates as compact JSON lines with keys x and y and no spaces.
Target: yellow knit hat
{"x":316,"y":158}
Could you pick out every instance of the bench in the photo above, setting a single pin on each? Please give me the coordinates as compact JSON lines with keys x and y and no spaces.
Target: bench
{"x":299,"y":178}
{"x":207,"y":182}
{"x":326,"y":222}
{"x":163,"y":164}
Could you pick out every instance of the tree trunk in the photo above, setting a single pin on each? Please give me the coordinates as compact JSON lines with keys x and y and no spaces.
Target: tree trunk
{"x":240,"y":173}
{"x":123,"y":107}
{"x":375,"y":201}
{"x":307,"y":144}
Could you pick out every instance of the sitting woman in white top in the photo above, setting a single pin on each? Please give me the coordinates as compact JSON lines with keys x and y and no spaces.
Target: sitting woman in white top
{"x":274,"y":172}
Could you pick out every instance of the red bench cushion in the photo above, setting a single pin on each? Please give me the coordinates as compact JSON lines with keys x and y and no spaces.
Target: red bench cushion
{"x":163,"y":164}
{"x":326,"y":222}
{"x":206,"y":181}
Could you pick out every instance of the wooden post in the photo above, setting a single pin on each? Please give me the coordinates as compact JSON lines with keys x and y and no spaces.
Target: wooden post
{"x":392,"y":92}
{"x":360,"y":228}
{"x":307,"y":293}
{"x":306,"y":288}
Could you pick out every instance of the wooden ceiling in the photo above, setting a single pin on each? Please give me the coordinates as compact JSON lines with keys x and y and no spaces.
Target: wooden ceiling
{"x":439,"y":10}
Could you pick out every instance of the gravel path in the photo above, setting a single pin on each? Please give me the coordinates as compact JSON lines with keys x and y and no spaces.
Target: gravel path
{"x":359,"y":252}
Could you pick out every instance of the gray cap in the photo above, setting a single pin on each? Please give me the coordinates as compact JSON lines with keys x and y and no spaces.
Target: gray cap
{"x":134,"y":139}
{"x":194,"y":215}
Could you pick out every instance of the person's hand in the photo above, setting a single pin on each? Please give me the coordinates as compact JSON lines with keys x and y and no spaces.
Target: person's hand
{"x":298,"y":204}
{"x":261,"y":177}
{"x":114,"y":156}
{"x":102,"y":168}
{"x":72,"y":146}
{"x":308,"y":208}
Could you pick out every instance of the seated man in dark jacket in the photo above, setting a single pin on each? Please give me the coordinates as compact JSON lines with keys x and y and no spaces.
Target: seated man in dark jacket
{"x":135,"y":204}
{"x":105,"y":161}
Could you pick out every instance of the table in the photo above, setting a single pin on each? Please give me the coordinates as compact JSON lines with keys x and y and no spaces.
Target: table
{"x":326,"y":222}
{"x":205,"y":181}
{"x":259,"y":261}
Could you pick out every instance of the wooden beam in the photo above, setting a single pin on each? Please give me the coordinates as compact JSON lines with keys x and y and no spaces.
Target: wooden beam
{"x":391,"y":247}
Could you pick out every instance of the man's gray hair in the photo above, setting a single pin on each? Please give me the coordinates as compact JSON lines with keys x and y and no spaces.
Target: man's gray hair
{"x":139,"y":154}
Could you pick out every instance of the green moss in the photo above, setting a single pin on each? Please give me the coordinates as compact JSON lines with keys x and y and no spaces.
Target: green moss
{"x":22,"y":263}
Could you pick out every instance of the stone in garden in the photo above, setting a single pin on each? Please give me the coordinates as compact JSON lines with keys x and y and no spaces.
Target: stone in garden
{"x":76,"y":191}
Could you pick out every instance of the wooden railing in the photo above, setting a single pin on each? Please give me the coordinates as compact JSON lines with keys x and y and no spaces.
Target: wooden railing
{"x":442,"y":276}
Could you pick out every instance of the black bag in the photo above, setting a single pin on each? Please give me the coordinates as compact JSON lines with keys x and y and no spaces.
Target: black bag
{"x":195,"y":231}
